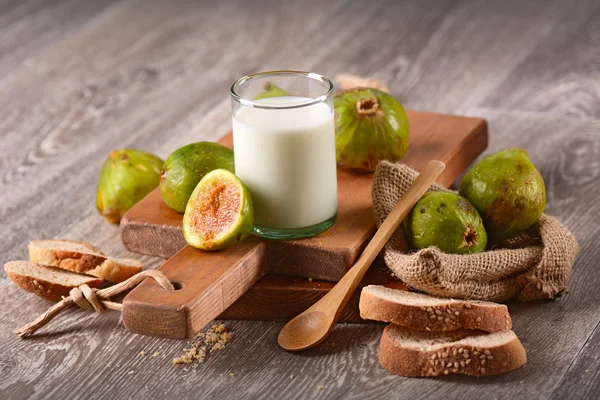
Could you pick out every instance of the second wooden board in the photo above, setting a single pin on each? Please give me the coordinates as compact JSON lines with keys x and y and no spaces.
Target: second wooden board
{"x":152,"y":228}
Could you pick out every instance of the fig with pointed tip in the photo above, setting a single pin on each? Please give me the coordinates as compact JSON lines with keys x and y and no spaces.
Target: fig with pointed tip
{"x":219,"y":212}
{"x":507,"y":190}
{"x":447,"y":221}
{"x":370,"y":126}
{"x":127,"y":176}
{"x":186,"y":166}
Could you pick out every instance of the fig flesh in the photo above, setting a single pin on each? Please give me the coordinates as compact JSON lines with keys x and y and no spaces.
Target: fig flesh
{"x":186,"y":166}
{"x":127,"y":176}
{"x":219,"y":212}
{"x":507,"y":190}
{"x":370,"y":126}
{"x":447,"y":221}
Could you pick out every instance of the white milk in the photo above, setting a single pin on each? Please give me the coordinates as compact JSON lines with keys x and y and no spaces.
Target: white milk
{"x":286,"y":158}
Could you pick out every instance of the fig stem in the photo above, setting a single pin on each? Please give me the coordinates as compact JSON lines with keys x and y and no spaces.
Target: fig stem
{"x":367,"y":107}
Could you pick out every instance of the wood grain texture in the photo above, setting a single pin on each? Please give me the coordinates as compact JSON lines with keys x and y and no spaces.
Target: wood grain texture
{"x":523,"y":28}
{"x":207,"y":286}
{"x":29,"y":27}
{"x":582,"y":379}
{"x":281,"y":298}
{"x":154,"y":75}
{"x":572,"y":86}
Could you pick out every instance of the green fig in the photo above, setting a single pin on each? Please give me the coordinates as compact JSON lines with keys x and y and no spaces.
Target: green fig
{"x":447,"y":221}
{"x":127,"y":176}
{"x":370,"y":126}
{"x":219,"y":212}
{"x":186,"y":166}
{"x":507,"y":190}
{"x":271,"y":90}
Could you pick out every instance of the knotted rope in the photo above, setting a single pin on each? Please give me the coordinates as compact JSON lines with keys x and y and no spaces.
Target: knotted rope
{"x":97,"y":299}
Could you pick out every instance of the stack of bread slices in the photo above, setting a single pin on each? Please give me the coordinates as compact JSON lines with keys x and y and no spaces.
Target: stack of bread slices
{"x":430,"y":336}
{"x":57,"y":266}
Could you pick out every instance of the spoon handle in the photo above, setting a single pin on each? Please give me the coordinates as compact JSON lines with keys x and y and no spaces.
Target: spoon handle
{"x":343,"y":290}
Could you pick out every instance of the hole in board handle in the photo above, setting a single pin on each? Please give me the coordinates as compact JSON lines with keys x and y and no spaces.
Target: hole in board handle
{"x":177,"y":285}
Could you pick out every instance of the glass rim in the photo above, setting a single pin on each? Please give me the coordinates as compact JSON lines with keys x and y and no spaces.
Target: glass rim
{"x":255,"y":104}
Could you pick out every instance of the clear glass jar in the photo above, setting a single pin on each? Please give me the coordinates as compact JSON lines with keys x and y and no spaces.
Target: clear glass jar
{"x":284,"y":148}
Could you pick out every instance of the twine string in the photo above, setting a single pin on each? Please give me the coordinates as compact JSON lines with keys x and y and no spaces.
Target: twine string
{"x":96,"y":299}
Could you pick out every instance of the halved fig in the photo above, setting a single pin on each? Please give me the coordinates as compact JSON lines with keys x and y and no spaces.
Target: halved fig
{"x":219,"y":212}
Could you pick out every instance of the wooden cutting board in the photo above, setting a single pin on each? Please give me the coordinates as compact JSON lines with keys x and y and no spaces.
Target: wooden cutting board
{"x":211,"y":282}
{"x":265,"y":299}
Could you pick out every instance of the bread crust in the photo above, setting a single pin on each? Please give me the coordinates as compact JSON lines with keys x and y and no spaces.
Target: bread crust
{"x":50,"y":291}
{"x":92,"y":263}
{"x":454,"y":315}
{"x":451,"y":359}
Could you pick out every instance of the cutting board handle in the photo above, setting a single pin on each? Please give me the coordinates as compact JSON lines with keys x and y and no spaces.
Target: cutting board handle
{"x":207,"y":284}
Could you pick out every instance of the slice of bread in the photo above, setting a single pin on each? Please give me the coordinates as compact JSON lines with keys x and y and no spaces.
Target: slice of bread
{"x":79,"y":257}
{"x":409,"y":352}
{"x":427,"y":313}
{"x":84,"y":244}
{"x":47,"y":282}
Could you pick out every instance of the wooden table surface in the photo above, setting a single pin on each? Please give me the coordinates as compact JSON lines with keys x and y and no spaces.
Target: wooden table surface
{"x":81,"y":78}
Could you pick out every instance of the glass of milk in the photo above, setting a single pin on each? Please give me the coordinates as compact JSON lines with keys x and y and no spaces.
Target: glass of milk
{"x":284,"y":149}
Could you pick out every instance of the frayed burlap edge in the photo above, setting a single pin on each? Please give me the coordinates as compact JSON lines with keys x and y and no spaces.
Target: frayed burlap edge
{"x":536,"y":265}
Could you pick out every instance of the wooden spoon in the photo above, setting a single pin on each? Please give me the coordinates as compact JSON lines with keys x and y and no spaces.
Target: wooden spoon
{"x":314,"y":325}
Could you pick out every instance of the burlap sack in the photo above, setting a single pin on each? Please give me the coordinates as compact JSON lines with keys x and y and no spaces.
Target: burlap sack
{"x":536,"y":265}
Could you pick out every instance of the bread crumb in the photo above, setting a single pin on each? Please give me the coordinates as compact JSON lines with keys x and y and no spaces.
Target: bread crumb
{"x":156,"y":354}
{"x":217,"y":346}
{"x":215,"y":337}
{"x":142,"y":353}
{"x":211,"y":337}
{"x":310,"y":279}
{"x":320,"y":387}
{"x":232,"y":373}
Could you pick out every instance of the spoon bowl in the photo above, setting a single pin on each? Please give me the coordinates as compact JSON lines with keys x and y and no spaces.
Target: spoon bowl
{"x":306,"y":330}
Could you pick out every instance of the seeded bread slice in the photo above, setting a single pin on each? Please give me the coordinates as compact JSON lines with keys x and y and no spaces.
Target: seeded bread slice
{"x":47,"y":282}
{"x":427,"y":313}
{"x":79,"y":257}
{"x":408,"y":352}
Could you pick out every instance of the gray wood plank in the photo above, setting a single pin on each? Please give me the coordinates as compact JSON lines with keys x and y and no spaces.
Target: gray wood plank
{"x":582,"y":380}
{"x":92,"y":355}
{"x":155,"y":75}
{"x":562,"y":75}
{"x":474,"y":50}
{"x":28,"y":27}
